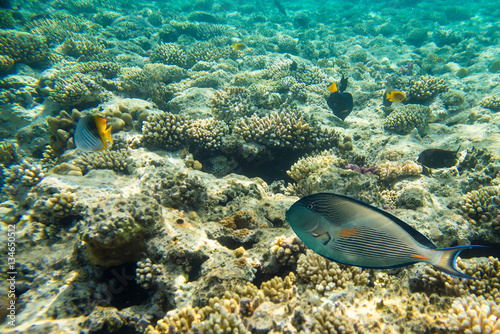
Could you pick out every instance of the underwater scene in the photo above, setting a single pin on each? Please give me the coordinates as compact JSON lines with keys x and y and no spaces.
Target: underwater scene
{"x":269,"y":167}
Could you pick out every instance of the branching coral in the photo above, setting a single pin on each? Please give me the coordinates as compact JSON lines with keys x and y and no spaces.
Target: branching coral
{"x":165,"y":130}
{"x":108,"y":159}
{"x":391,"y":170}
{"x":24,"y":47}
{"x":486,"y":282}
{"x":207,"y":133}
{"x":168,"y":53}
{"x":426,"y":87}
{"x":286,"y":250}
{"x":82,"y":46}
{"x":326,"y":276}
{"x":21,"y":177}
{"x":492,"y":102}
{"x":474,"y":315}
{"x":232,"y":103}
{"x":406,"y":118}
{"x":146,"y":273}
{"x":482,"y":205}
{"x":71,"y":89}
{"x":308,"y":165}
{"x":286,"y":129}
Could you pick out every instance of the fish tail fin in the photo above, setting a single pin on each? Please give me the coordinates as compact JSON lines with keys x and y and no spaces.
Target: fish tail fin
{"x":448,"y":260}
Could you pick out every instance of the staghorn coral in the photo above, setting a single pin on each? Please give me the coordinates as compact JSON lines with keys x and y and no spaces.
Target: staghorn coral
{"x":168,"y":53}
{"x":481,"y":205}
{"x":146,"y":273}
{"x":232,"y":103}
{"x":284,"y":130}
{"x":406,"y":118}
{"x":308,"y":165}
{"x":286,"y":250}
{"x":24,"y":47}
{"x":327,"y":276}
{"x":474,"y":315}
{"x":486,"y":282}
{"x":391,"y":170}
{"x":426,"y":87}
{"x":492,"y":102}
{"x":114,"y":230}
{"x":165,"y":130}
{"x":108,"y":159}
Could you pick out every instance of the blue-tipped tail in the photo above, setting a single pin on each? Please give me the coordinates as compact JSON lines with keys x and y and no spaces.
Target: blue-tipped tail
{"x":448,"y":261}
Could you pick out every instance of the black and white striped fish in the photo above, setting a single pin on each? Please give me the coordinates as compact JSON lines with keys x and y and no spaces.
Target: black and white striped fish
{"x":348,"y":231}
{"x":92,"y":135}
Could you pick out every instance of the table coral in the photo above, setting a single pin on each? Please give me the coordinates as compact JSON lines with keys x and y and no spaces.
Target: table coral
{"x":406,"y":118}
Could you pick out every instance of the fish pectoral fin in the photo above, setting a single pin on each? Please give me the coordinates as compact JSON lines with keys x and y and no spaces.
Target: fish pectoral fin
{"x":323,"y":238}
{"x":419,"y":257}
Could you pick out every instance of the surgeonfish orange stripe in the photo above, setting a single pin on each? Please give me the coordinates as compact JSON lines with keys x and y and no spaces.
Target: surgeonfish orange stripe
{"x":347,"y":232}
{"x":419,"y":257}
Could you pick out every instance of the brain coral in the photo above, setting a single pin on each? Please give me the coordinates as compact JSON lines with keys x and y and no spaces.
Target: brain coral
{"x":406,"y":118}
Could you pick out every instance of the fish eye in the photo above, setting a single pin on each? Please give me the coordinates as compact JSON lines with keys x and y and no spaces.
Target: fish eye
{"x":310,"y":206}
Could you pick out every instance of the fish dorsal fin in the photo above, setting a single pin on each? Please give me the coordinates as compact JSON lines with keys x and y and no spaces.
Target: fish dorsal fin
{"x":333,"y":88}
{"x":419,"y":237}
{"x":343,"y":83}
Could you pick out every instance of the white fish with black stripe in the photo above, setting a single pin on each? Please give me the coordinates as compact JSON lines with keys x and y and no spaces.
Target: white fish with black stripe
{"x":348,"y":231}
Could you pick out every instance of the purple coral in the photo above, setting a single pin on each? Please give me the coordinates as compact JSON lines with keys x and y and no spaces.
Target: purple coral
{"x":406,"y":70}
{"x":361,"y":170}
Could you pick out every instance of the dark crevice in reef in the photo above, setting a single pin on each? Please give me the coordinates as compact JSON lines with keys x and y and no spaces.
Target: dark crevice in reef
{"x":195,"y":270}
{"x":233,"y":243}
{"x":122,"y":289}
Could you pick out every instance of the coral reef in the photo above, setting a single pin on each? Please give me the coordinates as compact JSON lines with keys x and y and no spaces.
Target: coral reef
{"x":308,"y":165}
{"x":286,"y":251}
{"x":108,"y":159}
{"x":146,"y":273}
{"x":492,"y":103}
{"x":426,"y":87}
{"x":114,"y":231}
{"x":20,"y":178}
{"x":391,"y":170}
{"x":474,"y":315}
{"x":286,"y":129}
{"x":326,"y":276}
{"x":165,"y":130}
{"x":23,"y":47}
{"x":481,"y":205}
{"x":169,"y":54}
{"x":406,"y":118}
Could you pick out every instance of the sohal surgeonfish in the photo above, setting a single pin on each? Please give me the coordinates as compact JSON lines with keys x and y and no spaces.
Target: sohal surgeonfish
{"x":438,"y":158}
{"x":92,"y":135}
{"x":391,"y":96}
{"x":339,"y":101}
{"x":354,"y":233}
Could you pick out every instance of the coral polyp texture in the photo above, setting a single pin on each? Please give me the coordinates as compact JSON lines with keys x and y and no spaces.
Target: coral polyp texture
{"x":426,"y":87}
{"x":406,"y":118}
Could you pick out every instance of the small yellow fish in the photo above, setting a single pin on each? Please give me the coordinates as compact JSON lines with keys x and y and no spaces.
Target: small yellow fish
{"x":239,"y":46}
{"x":391,"y":96}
